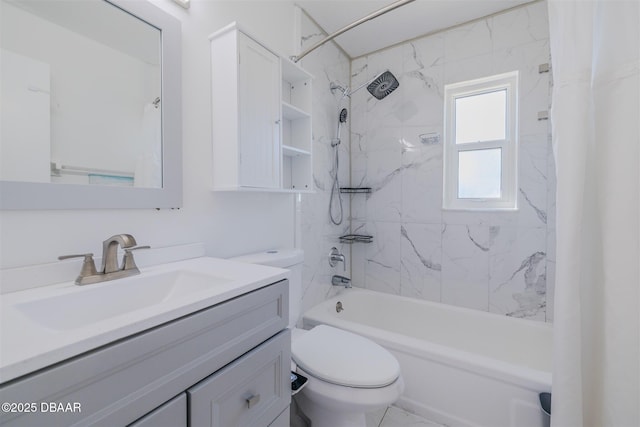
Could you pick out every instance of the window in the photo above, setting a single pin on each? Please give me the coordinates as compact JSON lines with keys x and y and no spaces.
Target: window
{"x":481,"y":144}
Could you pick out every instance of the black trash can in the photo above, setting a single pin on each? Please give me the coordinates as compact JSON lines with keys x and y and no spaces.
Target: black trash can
{"x":545,"y":404}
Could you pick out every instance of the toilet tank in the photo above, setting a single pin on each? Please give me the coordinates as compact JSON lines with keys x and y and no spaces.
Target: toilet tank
{"x":291,"y":259}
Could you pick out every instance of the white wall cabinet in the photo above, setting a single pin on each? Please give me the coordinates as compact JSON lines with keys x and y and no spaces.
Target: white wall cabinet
{"x":261,"y":106}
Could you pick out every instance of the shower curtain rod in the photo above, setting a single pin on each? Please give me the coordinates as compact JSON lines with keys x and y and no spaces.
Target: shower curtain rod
{"x":369,"y":17}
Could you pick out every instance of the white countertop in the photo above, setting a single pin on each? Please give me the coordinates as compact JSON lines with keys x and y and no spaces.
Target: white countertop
{"x":27,"y":345}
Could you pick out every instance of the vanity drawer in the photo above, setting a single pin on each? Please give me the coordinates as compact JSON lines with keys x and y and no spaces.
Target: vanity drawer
{"x":171,"y":414}
{"x":119,"y":383}
{"x":250,"y":392}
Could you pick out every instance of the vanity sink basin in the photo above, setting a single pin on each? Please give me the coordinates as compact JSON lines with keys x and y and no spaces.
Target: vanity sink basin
{"x":91,"y":303}
{"x":46,"y":325}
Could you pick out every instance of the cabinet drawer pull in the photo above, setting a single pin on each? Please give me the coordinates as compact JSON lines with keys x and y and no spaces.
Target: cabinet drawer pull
{"x":253,"y":400}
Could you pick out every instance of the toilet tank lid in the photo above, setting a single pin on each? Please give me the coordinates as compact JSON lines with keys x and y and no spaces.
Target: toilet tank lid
{"x":282,"y":258}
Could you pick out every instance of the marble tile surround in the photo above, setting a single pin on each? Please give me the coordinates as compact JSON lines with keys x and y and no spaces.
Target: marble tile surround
{"x":498,"y":262}
{"x":317,"y":233}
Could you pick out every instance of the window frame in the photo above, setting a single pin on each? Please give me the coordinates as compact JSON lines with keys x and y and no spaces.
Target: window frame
{"x":509,"y":145}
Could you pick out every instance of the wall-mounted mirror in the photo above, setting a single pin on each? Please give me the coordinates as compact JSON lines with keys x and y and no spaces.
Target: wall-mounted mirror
{"x":90,"y":105}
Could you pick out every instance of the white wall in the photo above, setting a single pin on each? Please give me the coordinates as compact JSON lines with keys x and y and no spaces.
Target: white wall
{"x":229,"y":224}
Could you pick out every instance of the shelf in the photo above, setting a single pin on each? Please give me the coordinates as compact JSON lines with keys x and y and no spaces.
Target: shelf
{"x":293,"y":73}
{"x":293,"y":151}
{"x":291,"y":112}
{"x":356,"y":238}
{"x":355,"y":190}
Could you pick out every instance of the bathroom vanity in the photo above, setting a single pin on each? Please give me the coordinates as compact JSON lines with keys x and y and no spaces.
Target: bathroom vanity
{"x":223,"y":363}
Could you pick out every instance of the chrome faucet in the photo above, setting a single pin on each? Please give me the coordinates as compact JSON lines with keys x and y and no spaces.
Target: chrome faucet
{"x":335,"y":257}
{"x":337,"y":280}
{"x":110,"y":269}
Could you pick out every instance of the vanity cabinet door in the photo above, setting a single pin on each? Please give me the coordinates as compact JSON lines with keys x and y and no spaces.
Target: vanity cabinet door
{"x":171,"y":414}
{"x":252,"y":391}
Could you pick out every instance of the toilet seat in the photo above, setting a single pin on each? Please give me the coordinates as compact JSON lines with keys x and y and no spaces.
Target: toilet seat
{"x":343,"y":358}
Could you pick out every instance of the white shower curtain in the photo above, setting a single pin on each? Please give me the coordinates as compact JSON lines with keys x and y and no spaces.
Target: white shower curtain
{"x":595,"y":50}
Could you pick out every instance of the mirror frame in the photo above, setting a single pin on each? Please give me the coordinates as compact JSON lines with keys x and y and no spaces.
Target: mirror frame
{"x":30,"y":195}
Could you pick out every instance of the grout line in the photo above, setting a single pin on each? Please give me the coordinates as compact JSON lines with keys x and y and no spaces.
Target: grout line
{"x":323,"y":30}
{"x":384,"y":415}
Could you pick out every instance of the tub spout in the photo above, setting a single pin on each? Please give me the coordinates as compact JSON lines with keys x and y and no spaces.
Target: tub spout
{"x":337,"y":280}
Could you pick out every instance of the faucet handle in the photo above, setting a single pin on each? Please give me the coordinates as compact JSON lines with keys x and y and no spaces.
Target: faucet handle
{"x":62,"y":257}
{"x":88,"y":265}
{"x":335,"y":256}
{"x":129,"y":263}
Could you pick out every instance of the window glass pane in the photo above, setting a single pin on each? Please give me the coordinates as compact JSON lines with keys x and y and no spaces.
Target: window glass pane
{"x":479,"y":174}
{"x":481,"y":117}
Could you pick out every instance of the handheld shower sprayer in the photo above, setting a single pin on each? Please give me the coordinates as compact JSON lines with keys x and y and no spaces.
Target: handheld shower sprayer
{"x":342,"y":118}
{"x":335,"y":187}
{"x":343,"y":115}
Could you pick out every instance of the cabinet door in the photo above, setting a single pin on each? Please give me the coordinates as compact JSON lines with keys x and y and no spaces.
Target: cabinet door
{"x":259,"y":123}
{"x":171,"y":414}
{"x":250,"y":392}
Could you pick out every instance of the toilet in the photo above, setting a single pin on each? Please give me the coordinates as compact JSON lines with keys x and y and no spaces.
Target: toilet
{"x":348,"y":375}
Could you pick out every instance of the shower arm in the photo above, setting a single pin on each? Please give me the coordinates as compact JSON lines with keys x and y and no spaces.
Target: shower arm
{"x":369,"y":17}
{"x":347,"y":91}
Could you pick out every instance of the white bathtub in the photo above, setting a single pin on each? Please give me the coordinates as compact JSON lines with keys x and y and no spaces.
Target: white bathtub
{"x":461,"y":367}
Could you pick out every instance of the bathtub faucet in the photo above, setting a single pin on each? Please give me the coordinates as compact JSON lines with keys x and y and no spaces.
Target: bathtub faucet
{"x":335,"y":257}
{"x":341,"y":281}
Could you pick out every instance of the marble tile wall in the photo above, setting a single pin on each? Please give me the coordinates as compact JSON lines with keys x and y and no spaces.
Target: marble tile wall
{"x":317,"y":233}
{"x":498,"y":262}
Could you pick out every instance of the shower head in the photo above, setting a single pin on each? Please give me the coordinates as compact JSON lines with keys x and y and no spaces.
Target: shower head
{"x":383,"y":85}
{"x":380,"y":86}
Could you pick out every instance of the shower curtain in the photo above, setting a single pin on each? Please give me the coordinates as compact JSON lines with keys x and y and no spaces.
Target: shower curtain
{"x":595,"y":50}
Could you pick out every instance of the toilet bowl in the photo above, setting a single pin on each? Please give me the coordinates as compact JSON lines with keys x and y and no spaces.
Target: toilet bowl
{"x":348,"y":375}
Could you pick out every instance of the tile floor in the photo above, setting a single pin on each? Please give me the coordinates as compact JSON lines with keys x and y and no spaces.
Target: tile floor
{"x":396,"y":417}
